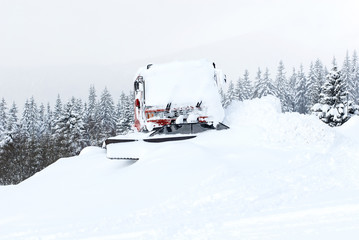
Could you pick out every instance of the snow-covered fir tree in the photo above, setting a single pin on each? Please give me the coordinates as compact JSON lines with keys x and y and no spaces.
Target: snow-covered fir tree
{"x":12,"y":124}
{"x":292,"y":90}
{"x":3,"y":133}
{"x":319,"y":73}
{"x":90,"y":118}
{"x":282,"y":89}
{"x":42,"y":119}
{"x":3,"y":115}
{"x":230,"y":95}
{"x":238,"y":90}
{"x":69,"y":129}
{"x":11,"y":152}
{"x":47,"y":147}
{"x":30,"y":132}
{"x":346,"y":76}
{"x":333,"y":106}
{"x":125,"y":109}
{"x":48,"y":119}
{"x":263,"y":86}
{"x":243,"y":89}
{"x":58,"y":108}
{"x":313,"y":88}
{"x":3,"y":124}
{"x":257,"y":84}
{"x":354,"y":89}
{"x":30,"y":120}
{"x":280,"y":83}
{"x":106,"y":117}
{"x":300,"y":100}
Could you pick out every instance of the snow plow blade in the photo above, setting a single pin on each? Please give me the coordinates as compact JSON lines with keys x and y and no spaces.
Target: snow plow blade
{"x":134,"y":149}
{"x":127,"y":148}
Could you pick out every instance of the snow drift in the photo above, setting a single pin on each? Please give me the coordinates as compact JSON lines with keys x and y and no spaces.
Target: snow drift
{"x":271,"y":176}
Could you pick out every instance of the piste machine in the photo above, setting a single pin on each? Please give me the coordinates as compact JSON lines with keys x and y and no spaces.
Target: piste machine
{"x":173,"y":101}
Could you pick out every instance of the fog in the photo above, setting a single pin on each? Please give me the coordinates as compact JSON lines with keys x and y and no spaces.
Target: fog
{"x":61,"y":47}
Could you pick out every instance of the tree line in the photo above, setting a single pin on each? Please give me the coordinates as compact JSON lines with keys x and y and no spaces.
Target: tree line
{"x":43,"y":134}
{"x":332,"y":95}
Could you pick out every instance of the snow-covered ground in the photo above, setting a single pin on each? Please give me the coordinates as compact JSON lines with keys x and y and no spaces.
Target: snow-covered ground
{"x":271,"y":176}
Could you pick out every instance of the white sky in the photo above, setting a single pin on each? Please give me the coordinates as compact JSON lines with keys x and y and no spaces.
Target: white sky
{"x":42,"y":41}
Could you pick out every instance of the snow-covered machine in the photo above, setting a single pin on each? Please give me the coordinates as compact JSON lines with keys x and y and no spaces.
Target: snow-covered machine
{"x":173,"y":101}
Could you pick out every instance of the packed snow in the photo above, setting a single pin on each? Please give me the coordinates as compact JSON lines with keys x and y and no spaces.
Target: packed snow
{"x":270,"y":176}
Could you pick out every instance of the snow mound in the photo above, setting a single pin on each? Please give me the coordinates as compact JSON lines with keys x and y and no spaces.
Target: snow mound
{"x":257,"y":111}
{"x":350,"y":128}
{"x":274,"y":126}
{"x":90,"y":151}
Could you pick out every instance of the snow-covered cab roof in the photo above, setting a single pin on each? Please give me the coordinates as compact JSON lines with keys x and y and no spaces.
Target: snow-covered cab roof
{"x":183,"y":84}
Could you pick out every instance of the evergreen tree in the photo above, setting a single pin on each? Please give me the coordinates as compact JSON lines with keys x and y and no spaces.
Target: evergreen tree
{"x":354,"y":90}
{"x":126,"y":120}
{"x":56,"y":141}
{"x":12,"y":124}
{"x":30,"y":138}
{"x":106,"y":117}
{"x":69,"y":130}
{"x":257,"y":84}
{"x":42,"y":119}
{"x":3,"y":124}
{"x":313,"y":88}
{"x":292,"y":91}
{"x":48,"y":150}
{"x":3,"y":116}
{"x":239,"y":89}
{"x":30,"y":120}
{"x":333,"y":109}
{"x":263,"y":86}
{"x":346,"y":77}
{"x":243,"y":90}
{"x":119,"y":115}
{"x":230,"y":95}
{"x":48,"y":119}
{"x":282,"y":88}
{"x":279,"y":82}
{"x":247,"y":86}
{"x":10,"y":158}
{"x":58,"y":108}
{"x":90,"y":118}
{"x":3,"y":142}
{"x":300,"y":100}
{"x":319,"y":74}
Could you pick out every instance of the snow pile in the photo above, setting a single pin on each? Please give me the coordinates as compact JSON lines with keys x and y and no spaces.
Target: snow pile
{"x":351,"y":128}
{"x":270,"y":176}
{"x":276,"y":127}
{"x":183,"y":84}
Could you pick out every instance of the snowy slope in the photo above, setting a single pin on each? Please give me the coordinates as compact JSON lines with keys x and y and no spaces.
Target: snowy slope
{"x":271,"y":176}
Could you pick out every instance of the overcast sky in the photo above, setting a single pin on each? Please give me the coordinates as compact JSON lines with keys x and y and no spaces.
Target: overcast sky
{"x":64,"y":41}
